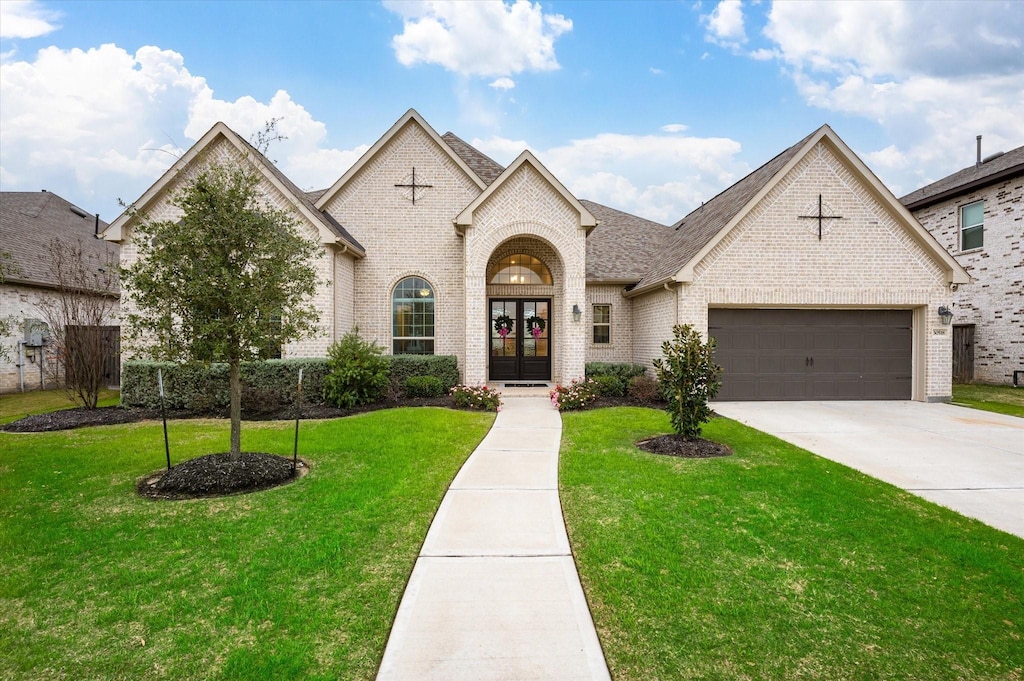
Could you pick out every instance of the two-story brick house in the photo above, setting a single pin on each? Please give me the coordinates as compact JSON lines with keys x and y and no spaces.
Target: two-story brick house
{"x":977,"y":214}
{"x":816,"y":281}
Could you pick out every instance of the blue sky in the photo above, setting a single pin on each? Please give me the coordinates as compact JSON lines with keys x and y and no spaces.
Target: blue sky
{"x":650,"y":107}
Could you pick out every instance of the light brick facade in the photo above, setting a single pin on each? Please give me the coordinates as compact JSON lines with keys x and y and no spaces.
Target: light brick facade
{"x":994,"y":301}
{"x":458,"y":228}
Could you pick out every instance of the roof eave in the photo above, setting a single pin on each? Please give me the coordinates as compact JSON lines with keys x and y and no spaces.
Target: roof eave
{"x":967,"y":187}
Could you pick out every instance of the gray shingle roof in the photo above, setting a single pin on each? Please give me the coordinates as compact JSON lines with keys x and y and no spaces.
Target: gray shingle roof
{"x":693,"y":232}
{"x":329,"y":222}
{"x":486,"y":168}
{"x":967,"y":180}
{"x":622,"y":246}
{"x":30,"y":221}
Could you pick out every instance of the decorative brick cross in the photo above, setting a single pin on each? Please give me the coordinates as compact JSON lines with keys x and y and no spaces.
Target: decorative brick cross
{"x":821,"y":216}
{"x":412,"y":185}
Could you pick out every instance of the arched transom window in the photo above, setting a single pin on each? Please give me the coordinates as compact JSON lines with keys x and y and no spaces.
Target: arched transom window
{"x":520,"y":269}
{"x":412,"y":318}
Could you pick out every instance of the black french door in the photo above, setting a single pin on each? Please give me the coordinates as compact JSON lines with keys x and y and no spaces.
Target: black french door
{"x":520,"y":339}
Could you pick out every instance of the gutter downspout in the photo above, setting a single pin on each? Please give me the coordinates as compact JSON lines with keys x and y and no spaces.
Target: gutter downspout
{"x":21,"y":364}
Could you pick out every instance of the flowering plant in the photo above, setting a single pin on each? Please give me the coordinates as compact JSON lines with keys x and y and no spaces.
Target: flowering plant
{"x":503,"y":325}
{"x":535,"y":325}
{"x":479,"y":397}
{"x":576,"y":395}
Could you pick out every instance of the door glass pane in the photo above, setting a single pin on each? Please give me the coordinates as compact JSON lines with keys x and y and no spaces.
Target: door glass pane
{"x":503,"y":328}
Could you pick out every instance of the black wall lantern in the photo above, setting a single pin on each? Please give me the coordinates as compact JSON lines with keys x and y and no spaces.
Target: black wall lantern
{"x":946,"y":314}
{"x":576,"y":312}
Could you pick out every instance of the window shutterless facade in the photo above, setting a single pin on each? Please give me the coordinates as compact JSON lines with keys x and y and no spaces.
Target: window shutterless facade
{"x":412,"y":318}
{"x":972,"y":225}
{"x":602,"y":324}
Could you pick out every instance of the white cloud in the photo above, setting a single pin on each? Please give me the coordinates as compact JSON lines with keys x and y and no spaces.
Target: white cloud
{"x":673,"y":127}
{"x":656,"y":71}
{"x":660,"y":177}
{"x":103,"y":124}
{"x":725,"y":24}
{"x":503,"y":84}
{"x":478,"y":38}
{"x":932,"y":75}
{"x":26,"y":19}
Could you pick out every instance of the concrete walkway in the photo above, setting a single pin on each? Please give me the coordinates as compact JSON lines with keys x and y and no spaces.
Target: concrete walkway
{"x":495,"y":593}
{"x":968,"y":460}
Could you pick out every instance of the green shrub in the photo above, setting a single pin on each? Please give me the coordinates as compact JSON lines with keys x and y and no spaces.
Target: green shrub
{"x":623,"y":371}
{"x":482,"y":397}
{"x":576,"y":395}
{"x":203,"y":388}
{"x":689,"y":378}
{"x":643,"y":389}
{"x":424,"y":386}
{"x":607,"y":385}
{"x":403,"y":367}
{"x":358,"y":373}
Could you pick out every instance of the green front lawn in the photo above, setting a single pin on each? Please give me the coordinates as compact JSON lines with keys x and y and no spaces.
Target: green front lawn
{"x":777,"y":564}
{"x":16,"y":405}
{"x":1002,"y":399}
{"x":299,"y":582}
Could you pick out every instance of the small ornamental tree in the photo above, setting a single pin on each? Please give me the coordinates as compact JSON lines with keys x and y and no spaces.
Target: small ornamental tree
{"x":230,"y":279}
{"x":689,"y":378}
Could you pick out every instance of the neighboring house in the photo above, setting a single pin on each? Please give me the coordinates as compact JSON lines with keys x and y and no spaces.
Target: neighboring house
{"x":977,"y":214}
{"x":430,"y":246}
{"x":29,"y":223}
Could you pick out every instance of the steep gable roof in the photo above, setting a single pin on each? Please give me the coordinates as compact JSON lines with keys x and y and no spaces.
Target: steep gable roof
{"x":30,"y":221}
{"x":622,"y":247}
{"x":702,"y":225}
{"x":330,"y":231}
{"x":486,"y":168}
{"x":700,"y":231}
{"x":410,"y":116}
{"x":967,"y":180}
{"x":465,"y":218}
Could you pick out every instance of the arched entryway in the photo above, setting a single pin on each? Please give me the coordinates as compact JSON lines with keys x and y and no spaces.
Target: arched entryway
{"x":523,"y":277}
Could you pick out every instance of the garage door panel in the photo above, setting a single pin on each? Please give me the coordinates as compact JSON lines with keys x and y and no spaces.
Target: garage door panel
{"x":813,"y":354}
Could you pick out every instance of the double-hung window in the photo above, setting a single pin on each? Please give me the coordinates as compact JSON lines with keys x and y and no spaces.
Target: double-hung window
{"x":602,"y":324}
{"x":972,"y":225}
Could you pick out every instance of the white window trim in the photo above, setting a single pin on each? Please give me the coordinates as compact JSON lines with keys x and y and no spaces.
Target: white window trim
{"x":594,"y":324}
{"x":964,"y":227}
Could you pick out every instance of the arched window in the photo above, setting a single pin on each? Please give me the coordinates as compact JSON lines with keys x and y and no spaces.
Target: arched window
{"x":412,"y":318}
{"x":520,"y":269}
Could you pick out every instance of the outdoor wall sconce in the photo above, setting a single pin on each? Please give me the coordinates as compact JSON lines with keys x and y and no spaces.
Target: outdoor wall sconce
{"x":946,"y":314}
{"x":576,"y":313}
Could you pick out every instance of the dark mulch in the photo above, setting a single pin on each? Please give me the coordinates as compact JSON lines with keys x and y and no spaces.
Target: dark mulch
{"x":67,"y":419}
{"x":676,"y":445}
{"x":216,"y":475}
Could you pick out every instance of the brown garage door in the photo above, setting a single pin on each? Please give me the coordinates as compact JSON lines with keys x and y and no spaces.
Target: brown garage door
{"x":813,"y":354}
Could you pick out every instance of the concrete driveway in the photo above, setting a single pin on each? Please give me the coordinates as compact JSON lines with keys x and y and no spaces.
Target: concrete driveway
{"x":968,"y":460}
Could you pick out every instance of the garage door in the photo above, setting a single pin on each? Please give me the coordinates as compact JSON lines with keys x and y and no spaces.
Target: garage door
{"x":813,"y":354}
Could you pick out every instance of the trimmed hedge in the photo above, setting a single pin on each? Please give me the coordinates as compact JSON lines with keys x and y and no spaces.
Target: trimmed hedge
{"x":266,"y":385}
{"x":620,"y":370}
{"x":197,"y":387}
{"x":404,"y":367}
{"x":424,"y":386}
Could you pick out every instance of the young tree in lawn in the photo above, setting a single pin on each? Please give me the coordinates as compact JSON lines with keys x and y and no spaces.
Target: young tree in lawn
{"x":79,"y":313}
{"x":689,"y":378}
{"x":230,"y":279}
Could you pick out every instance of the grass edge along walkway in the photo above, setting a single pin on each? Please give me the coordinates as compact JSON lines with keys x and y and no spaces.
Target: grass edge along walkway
{"x":777,"y":564}
{"x":299,"y":582}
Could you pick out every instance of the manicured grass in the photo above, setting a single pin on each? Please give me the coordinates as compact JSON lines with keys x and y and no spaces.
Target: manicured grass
{"x":777,"y":564}
{"x":1002,"y":399}
{"x":299,"y":582}
{"x":16,"y":405}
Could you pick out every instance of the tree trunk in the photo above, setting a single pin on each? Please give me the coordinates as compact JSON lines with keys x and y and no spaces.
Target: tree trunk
{"x":236,"y":410}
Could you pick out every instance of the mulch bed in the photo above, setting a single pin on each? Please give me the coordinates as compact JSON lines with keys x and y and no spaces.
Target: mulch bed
{"x":216,"y":475}
{"x":676,"y":445}
{"x":66,"y":419}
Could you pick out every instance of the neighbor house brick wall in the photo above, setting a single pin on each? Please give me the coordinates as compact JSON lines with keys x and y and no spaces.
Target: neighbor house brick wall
{"x":620,"y":349}
{"x":402,"y":239}
{"x":17,"y":303}
{"x":994,"y":302}
{"x":866,"y":260}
